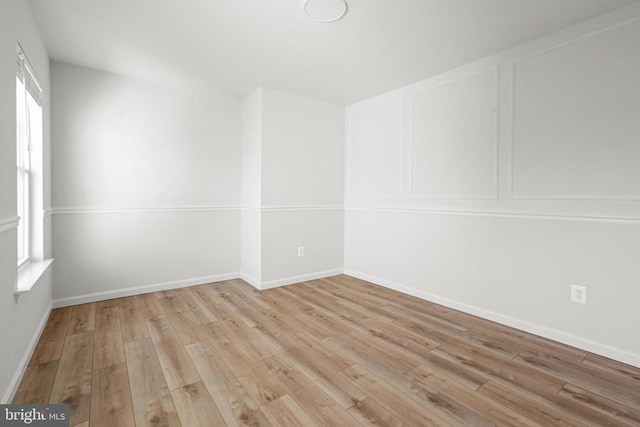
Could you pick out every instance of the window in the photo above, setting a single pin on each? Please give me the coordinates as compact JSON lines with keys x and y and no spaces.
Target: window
{"x":29,"y":141}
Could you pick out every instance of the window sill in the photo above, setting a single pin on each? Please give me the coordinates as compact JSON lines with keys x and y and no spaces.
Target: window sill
{"x":28,"y":276}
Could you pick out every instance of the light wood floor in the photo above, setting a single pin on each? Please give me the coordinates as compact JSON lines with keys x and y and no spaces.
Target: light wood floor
{"x":333,"y":352}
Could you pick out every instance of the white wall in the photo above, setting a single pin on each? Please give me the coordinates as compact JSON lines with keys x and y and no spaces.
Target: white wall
{"x":21,"y":322}
{"x":302,"y":187}
{"x":251,"y":227}
{"x":133,"y":158}
{"x":146,"y":187}
{"x":302,"y":151}
{"x":293,"y":173}
{"x":319,"y":231}
{"x":494,"y":187}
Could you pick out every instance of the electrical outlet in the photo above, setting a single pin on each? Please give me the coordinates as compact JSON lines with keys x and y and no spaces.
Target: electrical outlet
{"x":579,"y":294}
{"x":300,"y":250}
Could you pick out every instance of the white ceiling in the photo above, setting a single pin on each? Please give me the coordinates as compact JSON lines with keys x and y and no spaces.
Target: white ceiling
{"x":236,"y":46}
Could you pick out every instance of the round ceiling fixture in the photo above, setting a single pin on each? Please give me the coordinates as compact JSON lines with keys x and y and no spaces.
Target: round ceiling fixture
{"x":325,"y":10}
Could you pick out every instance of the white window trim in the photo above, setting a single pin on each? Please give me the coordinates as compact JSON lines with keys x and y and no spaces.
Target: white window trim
{"x":32,"y":267}
{"x":27,"y":219}
{"x":29,"y":274}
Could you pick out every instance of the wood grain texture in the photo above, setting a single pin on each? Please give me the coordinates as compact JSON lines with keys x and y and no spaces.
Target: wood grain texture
{"x":284,"y":411}
{"x":72,"y":384}
{"x":335,"y":351}
{"x":177,"y":367}
{"x":198,"y":310}
{"x":52,"y":339}
{"x":82,"y":318}
{"x":152,"y":404}
{"x":236,"y":406}
{"x":108,"y":336}
{"x":180,"y":316}
{"x":132,"y":320}
{"x":37,"y":383}
{"x":195,"y":406}
{"x":149,"y":305}
{"x":111,"y":400}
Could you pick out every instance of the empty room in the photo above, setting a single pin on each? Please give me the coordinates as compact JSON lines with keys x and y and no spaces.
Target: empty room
{"x":320,"y":213}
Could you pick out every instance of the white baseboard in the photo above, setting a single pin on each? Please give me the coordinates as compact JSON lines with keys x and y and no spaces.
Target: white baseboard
{"x":119,"y":293}
{"x":297,"y":279}
{"x":24,"y":363}
{"x":543,"y":331}
{"x":250,"y":280}
{"x":288,"y":280}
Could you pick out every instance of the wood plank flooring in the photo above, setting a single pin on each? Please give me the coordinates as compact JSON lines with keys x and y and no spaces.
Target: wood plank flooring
{"x":330,"y":352}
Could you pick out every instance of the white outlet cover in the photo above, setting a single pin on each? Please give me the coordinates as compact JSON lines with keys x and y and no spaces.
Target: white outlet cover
{"x":579,"y":294}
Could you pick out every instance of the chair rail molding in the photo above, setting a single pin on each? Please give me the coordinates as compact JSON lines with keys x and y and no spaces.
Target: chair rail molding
{"x":9,"y":223}
{"x":162,"y":209}
{"x":498,"y":214}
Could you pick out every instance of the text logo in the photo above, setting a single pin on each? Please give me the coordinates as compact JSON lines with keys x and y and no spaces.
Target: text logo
{"x":34,"y":415}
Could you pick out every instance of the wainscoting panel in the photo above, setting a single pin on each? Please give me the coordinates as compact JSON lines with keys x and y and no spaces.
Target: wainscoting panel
{"x":374,"y":148}
{"x":576,"y":127}
{"x":454,"y":139}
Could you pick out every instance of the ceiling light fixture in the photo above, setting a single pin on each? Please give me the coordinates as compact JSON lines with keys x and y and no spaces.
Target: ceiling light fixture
{"x":325,"y":10}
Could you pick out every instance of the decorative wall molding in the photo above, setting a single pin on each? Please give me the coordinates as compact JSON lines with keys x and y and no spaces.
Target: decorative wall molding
{"x":302,"y":208}
{"x":512,"y":123}
{"x":250,"y":280}
{"x":24,"y":362}
{"x":136,"y":290}
{"x":252,"y":209}
{"x":168,"y":209}
{"x":411,"y":95}
{"x":172,"y":209}
{"x":298,"y":279}
{"x":9,"y":223}
{"x":570,"y":197}
{"x":543,"y":331}
{"x":12,"y":222}
{"x":515,"y":215}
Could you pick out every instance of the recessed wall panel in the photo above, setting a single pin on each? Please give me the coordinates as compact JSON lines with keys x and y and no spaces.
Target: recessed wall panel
{"x":454,"y":139}
{"x":577,"y":119}
{"x":375,"y":148}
